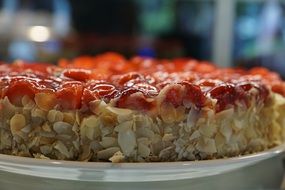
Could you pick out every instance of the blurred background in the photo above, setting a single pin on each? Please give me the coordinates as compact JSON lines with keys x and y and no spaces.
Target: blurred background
{"x":228,"y":32}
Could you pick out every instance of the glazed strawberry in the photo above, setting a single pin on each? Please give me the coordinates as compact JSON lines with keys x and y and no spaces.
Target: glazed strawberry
{"x":279,"y":88}
{"x":132,"y":98}
{"x":225,"y":95}
{"x":110,"y":63}
{"x":145,"y":65}
{"x":261,"y":93}
{"x":18,"y":89}
{"x":174,"y":95}
{"x":99,"y":90}
{"x":110,"y":57}
{"x":246,"y":86}
{"x":181,"y":64}
{"x":167,"y":66}
{"x":128,"y":79}
{"x":69,"y":95}
{"x":259,"y":71}
{"x":77,"y":74}
{"x":148,"y":89}
{"x":208,"y":82}
{"x":16,"y":85}
{"x":83,"y":62}
{"x":35,"y":67}
{"x":193,"y":94}
{"x":113,"y":62}
{"x":204,"y":68}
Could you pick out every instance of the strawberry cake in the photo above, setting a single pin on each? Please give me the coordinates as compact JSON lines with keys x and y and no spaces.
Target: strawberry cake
{"x":109,"y":108}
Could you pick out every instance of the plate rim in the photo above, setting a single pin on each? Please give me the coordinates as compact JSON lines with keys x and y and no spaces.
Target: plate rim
{"x":147,"y":171}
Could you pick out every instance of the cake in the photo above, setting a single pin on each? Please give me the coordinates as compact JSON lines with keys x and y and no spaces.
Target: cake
{"x":109,"y":108}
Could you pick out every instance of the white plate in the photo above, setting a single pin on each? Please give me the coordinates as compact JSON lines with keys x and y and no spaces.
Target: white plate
{"x":129,"y":172}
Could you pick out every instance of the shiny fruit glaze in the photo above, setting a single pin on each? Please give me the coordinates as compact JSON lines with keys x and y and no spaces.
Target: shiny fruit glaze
{"x":96,"y":90}
{"x":138,"y":83}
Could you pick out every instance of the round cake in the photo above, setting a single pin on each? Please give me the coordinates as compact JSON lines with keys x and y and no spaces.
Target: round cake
{"x":109,"y":108}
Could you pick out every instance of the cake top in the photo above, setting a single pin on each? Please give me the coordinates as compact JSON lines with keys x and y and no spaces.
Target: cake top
{"x":137,"y":83}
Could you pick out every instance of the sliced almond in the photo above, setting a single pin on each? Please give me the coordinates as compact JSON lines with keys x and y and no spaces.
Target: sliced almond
{"x":107,"y":153}
{"x":54,"y":116}
{"x":17,"y":122}
{"x":143,"y":150}
{"x":127,"y":141}
{"x":108,"y":142}
{"x":122,"y":114}
{"x":62,"y":149}
{"x":45,"y":101}
{"x":117,"y":157}
{"x":90,"y":127}
{"x":167,"y":113}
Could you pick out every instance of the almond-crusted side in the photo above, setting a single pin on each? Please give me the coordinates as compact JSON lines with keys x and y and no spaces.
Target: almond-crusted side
{"x":30,"y":130}
{"x":114,"y":134}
